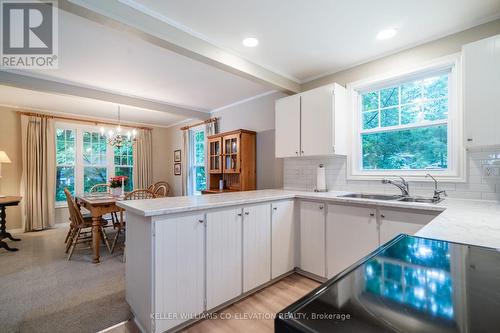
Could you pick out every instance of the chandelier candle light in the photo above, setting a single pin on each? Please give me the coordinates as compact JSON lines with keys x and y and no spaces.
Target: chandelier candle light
{"x":116,"y":138}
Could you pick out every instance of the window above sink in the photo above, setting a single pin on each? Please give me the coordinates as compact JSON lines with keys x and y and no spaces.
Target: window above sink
{"x":409,"y":124}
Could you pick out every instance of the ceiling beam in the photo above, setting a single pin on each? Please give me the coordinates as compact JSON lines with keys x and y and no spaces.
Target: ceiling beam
{"x":60,"y":88}
{"x":123,"y":17}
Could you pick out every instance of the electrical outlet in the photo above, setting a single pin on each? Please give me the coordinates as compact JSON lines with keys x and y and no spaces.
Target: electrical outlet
{"x":491,"y":171}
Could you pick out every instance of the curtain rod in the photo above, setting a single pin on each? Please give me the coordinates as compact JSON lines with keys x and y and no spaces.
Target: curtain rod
{"x":83,"y":120}
{"x":211,"y":120}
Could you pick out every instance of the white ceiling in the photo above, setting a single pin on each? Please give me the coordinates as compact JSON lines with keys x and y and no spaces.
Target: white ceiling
{"x":82,"y":107}
{"x":306,"y":39}
{"x":94,"y":55}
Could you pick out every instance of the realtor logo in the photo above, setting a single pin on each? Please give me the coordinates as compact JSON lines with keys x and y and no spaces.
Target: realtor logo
{"x":29,"y":34}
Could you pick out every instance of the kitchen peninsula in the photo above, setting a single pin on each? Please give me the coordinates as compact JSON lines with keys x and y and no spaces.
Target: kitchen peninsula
{"x":187,"y":256}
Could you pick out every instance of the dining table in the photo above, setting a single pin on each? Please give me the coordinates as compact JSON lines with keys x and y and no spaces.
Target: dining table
{"x":98,"y":206}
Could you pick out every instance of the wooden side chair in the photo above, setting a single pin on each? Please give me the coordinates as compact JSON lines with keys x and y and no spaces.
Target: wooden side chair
{"x":161,"y":189}
{"x":80,"y":227}
{"x":100,"y":188}
{"x":105,"y":188}
{"x":139,"y":194}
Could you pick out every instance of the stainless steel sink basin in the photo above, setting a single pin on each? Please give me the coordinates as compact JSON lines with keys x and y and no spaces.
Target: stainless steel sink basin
{"x":372,"y":196}
{"x":418,"y":199}
{"x":390,"y":197}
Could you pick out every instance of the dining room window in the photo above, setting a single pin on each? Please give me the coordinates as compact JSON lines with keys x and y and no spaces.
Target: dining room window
{"x":65,"y":162}
{"x":124,"y":163}
{"x":95,"y":169}
{"x":84,"y":158}
{"x":197,"y":171}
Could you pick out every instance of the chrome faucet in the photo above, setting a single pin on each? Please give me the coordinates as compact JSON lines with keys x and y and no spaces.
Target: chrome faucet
{"x":402,"y":185}
{"x":437,"y":193}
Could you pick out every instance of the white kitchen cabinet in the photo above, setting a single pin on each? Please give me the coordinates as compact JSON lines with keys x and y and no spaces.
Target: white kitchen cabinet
{"x":283,"y":237}
{"x":481,"y":84}
{"x":223,"y":256}
{"x":315,"y":122}
{"x":312,"y":237}
{"x":256,"y":246}
{"x":180,"y":286}
{"x":351,"y":234}
{"x":394,"y":222}
{"x":287,"y":126}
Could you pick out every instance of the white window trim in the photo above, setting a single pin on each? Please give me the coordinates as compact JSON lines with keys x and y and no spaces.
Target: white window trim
{"x":456,"y":148}
{"x":110,"y":155}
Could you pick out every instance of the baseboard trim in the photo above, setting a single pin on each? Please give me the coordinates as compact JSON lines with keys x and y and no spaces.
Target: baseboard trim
{"x":311,"y":276}
{"x":16,"y":231}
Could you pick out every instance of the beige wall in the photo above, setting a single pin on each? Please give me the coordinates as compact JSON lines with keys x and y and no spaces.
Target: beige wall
{"x":10,"y":142}
{"x":411,"y":57}
{"x":173,"y":142}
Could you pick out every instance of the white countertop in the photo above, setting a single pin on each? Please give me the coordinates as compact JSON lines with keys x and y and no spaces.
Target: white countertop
{"x":474,"y":222}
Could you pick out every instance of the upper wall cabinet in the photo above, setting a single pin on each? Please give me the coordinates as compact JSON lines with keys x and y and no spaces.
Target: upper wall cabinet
{"x":481,"y":91}
{"x":312,"y":123}
{"x":288,"y":126}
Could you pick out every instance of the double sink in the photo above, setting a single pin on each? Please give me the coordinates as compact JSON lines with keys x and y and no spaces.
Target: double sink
{"x":387,"y":197}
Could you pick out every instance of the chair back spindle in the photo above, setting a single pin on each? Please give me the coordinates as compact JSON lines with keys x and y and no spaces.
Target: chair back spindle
{"x":140,"y":194}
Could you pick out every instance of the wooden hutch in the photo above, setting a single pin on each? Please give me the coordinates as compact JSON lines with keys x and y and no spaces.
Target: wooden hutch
{"x":231,"y":157}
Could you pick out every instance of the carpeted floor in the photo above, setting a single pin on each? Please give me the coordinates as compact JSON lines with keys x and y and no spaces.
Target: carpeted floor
{"x":42,"y":292}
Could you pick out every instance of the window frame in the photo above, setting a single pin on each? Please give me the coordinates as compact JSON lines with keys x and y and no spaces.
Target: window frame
{"x":192,"y":157}
{"x":456,"y":151}
{"x":79,"y":164}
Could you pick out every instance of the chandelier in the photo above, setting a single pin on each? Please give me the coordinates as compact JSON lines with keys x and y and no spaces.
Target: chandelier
{"x":116,"y":138}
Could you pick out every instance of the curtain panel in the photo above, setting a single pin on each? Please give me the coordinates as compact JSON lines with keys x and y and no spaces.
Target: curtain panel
{"x":39,"y":172}
{"x":143,"y":159}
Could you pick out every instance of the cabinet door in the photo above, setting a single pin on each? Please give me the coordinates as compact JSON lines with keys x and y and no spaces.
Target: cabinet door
{"x":283,"y":238}
{"x":287,"y":124}
{"x":351,"y":234}
{"x":312,"y":237}
{"x":179,"y":288}
{"x":396,"y":222}
{"x":223,"y":263}
{"x":231,"y":158}
{"x":215,"y":155}
{"x":256,"y":246}
{"x":481,"y":91}
{"x":317,"y":121}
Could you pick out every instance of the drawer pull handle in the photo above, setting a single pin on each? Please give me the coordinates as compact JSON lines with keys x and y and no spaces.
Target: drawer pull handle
{"x":372,"y":214}
{"x":275,"y":208}
{"x":382,"y":216}
{"x":320,"y":207}
{"x":239,"y":214}
{"x":201,"y":221}
{"x":247,"y":213}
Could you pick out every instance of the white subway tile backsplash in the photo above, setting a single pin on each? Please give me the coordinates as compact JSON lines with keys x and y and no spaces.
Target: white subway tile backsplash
{"x":490,"y":196}
{"x":300,"y":174}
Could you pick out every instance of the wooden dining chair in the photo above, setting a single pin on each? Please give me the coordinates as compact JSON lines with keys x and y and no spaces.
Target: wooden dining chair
{"x":105,"y":188}
{"x":139,"y":194}
{"x":161,"y":189}
{"x":80,"y":227}
{"x":100,"y":188}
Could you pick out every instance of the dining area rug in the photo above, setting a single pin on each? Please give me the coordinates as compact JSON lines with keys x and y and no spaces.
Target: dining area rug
{"x":40,"y":291}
